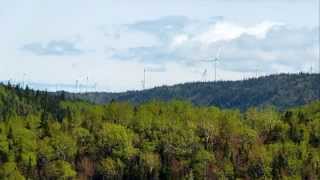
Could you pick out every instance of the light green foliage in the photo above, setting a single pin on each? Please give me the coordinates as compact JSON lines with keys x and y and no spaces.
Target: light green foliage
{"x":179,"y":140}
{"x":150,"y":161}
{"x":110,"y":167}
{"x":228,"y":170}
{"x":64,"y":146}
{"x":143,"y":121}
{"x":116,"y":140}
{"x":201,"y":163}
{"x":120,"y":113}
{"x":24,"y":139}
{"x":9,"y":171}
{"x":60,"y":170}
{"x":45,"y":150}
{"x":4,"y":145}
{"x":42,"y":135}
{"x":32,"y":122}
{"x":54,"y":128}
{"x":262,"y":120}
{"x":84,"y":140}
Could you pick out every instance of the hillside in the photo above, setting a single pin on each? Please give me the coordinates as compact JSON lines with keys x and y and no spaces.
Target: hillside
{"x":282,"y":91}
{"x":43,"y":136}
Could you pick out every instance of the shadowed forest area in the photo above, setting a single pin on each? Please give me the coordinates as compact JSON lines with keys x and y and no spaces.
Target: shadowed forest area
{"x":281,"y":90}
{"x":45,"y":136}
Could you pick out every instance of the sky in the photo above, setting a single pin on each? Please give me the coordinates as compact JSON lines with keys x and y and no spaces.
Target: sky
{"x":105,"y":45}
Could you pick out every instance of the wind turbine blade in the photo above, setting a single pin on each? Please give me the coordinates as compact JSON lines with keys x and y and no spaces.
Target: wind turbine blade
{"x":218,"y":53}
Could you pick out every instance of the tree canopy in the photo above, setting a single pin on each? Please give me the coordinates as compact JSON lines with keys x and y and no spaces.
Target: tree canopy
{"x":45,"y":136}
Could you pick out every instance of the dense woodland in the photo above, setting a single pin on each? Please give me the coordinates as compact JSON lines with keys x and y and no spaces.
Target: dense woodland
{"x":44,"y":136}
{"x":281,"y":90}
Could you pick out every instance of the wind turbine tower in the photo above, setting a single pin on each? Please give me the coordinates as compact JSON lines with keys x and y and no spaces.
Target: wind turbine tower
{"x":204,"y":75}
{"x":95,"y":86}
{"x":87,"y":84}
{"x":23,"y":80}
{"x":76,"y":88}
{"x":215,"y":61}
{"x":144,"y":79}
{"x":257,"y":73}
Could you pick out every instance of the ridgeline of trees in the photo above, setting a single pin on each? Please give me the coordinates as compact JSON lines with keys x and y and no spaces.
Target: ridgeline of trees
{"x":282,"y":91}
{"x":44,"y":136}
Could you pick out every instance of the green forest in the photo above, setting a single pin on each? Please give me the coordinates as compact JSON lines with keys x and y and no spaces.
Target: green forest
{"x":46,"y":136}
{"x":280,"y":90}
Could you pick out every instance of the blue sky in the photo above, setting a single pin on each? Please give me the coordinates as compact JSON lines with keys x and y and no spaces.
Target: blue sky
{"x":106,"y":45}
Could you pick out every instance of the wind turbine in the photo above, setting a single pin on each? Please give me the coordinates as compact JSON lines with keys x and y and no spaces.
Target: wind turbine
{"x":150,"y":70}
{"x":257,"y":72}
{"x":204,"y":75}
{"x":87,"y":84}
{"x":144,"y":79}
{"x":23,"y":79}
{"x":95,"y":86}
{"x":82,"y":83}
{"x":215,"y":61}
{"x":77,"y":84}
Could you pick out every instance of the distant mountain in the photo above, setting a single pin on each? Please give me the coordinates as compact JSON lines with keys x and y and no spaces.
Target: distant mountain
{"x":282,"y":91}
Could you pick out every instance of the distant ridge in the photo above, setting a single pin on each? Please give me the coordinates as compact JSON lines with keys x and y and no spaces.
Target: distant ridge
{"x":281,"y":91}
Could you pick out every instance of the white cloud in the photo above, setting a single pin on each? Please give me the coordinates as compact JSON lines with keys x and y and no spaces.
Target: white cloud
{"x":271,"y":46}
{"x":53,"y":48}
{"x":226,"y":31}
{"x":178,"y":40}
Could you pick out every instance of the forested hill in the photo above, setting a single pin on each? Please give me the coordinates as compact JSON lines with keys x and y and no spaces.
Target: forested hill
{"x":282,"y":91}
{"x":43,"y":136}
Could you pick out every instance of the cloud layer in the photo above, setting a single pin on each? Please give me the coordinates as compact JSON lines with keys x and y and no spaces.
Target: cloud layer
{"x":53,"y":48}
{"x":269,"y":46}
